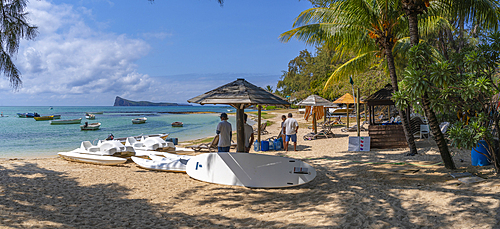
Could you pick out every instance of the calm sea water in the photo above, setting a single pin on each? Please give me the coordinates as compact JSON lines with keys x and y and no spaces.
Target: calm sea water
{"x":25,"y":137}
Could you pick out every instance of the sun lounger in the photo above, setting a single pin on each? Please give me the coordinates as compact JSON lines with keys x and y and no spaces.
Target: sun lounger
{"x":263,"y":130}
{"x":212,"y":146}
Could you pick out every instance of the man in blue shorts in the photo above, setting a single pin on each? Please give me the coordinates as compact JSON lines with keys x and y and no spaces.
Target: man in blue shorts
{"x":224,"y":130}
{"x":291,"y":126}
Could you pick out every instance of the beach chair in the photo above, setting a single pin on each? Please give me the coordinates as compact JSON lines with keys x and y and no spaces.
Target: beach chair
{"x":212,"y":146}
{"x":424,"y":130}
{"x":263,"y":130}
{"x":355,"y":128}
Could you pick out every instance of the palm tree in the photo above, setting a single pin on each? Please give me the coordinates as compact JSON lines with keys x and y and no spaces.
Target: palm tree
{"x":13,"y":28}
{"x":369,"y":28}
{"x":483,"y":12}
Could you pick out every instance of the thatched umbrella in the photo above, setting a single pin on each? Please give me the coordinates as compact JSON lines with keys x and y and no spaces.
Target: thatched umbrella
{"x":240,"y":94}
{"x":347,"y":99}
{"x":315,"y":101}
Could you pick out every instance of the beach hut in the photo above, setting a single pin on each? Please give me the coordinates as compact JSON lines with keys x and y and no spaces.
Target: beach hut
{"x":240,"y":94}
{"x":383,"y":135}
{"x":316,"y":106}
{"x":347,"y":99}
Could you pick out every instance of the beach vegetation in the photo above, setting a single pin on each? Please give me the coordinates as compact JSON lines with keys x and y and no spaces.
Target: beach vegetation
{"x":372,"y":32}
{"x":463,"y":89}
{"x":14,"y":27}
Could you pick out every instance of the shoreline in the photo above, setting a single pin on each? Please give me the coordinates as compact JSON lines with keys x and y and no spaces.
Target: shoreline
{"x":373,"y":189}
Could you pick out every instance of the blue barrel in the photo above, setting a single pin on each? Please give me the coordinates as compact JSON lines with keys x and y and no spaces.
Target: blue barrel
{"x":479,"y":159}
{"x":264,"y":145}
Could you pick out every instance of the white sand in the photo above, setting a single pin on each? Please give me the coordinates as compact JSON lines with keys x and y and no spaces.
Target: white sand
{"x":54,"y":193}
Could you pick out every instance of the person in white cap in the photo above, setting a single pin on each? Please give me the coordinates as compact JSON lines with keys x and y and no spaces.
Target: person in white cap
{"x":224,"y":130}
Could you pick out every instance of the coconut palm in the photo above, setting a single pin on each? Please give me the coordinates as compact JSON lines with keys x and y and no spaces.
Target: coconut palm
{"x":480,"y":12}
{"x":13,"y":28}
{"x":369,"y":28}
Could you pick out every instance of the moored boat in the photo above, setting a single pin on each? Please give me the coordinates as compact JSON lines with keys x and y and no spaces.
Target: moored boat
{"x":57,"y":116}
{"x":89,"y":116}
{"x":177,"y":124}
{"x":67,"y":121}
{"x":27,"y":115}
{"x":44,"y":118}
{"x":90,"y":126}
{"x":139,"y":120}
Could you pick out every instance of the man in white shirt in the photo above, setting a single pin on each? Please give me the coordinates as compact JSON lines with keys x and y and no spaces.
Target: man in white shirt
{"x":248,"y":130}
{"x":224,"y":130}
{"x":291,"y":126}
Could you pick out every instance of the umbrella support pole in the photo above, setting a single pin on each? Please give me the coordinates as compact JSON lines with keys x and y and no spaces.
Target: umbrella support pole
{"x":240,"y":129}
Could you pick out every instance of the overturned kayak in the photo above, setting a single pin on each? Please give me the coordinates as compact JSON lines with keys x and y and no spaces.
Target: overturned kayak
{"x":92,"y":159}
{"x":159,"y":163}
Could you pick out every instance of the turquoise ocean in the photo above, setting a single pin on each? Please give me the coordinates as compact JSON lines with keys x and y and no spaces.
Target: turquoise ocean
{"x":26,"y":137}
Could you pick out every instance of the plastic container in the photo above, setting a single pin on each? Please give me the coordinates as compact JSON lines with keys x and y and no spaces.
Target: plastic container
{"x":479,"y":159}
{"x":264,"y":146}
{"x":271,"y":144}
{"x":277,"y":144}
{"x":256,"y":146}
{"x":173,"y":140}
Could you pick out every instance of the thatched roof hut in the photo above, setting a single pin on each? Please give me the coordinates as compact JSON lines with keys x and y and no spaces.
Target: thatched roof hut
{"x":240,"y":94}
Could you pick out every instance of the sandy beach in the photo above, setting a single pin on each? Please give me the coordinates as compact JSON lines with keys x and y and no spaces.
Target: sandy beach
{"x":376,"y":189}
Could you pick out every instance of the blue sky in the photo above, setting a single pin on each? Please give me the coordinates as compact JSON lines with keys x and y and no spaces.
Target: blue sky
{"x":90,"y":51}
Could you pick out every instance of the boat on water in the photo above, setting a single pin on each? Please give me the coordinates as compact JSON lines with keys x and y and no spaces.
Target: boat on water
{"x":98,"y":112}
{"x":27,"y":115}
{"x":67,"y":121}
{"x":91,"y":126}
{"x":177,"y":124}
{"x":57,"y":116}
{"x":139,"y":120}
{"x":3,"y":116}
{"x":44,"y":118}
{"x":92,"y":159}
{"x":89,"y":116}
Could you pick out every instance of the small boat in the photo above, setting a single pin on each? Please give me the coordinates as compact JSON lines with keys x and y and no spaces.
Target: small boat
{"x":177,"y":124}
{"x":3,"y":116}
{"x":27,"y":115}
{"x":139,"y":120}
{"x":89,"y":116}
{"x":44,"y":118}
{"x":56,"y":116}
{"x":98,"y":112}
{"x":67,"y":121}
{"x":90,"y":126}
{"x":93,"y":159}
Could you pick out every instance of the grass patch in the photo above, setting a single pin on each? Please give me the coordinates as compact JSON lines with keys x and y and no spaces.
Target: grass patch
{"x":263,"y":115}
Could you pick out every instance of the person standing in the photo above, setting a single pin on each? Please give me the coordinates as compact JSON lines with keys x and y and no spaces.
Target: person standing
{"x":248,"y":130}
{"x":224,"y":130}
{"x":282,"y":133}
{"x":291,"y":127}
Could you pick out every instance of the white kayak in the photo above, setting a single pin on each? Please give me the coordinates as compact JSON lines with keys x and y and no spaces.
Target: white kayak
{"x":93,"y":159}
{"x":162,"y":164}
{"x":250,"y":170}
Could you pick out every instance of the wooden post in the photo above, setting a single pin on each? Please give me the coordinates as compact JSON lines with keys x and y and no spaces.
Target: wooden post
{"x":365,"y":112}
{"x":240,"y":129}
{"x":324,"y":112}
{"x":259,"y":122}
{"x":357,"y":113}
{"x":314,"y":121}
{"x":347,"y":123}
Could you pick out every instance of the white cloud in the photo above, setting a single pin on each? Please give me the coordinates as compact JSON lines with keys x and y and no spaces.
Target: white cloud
{"x":69,"y":59}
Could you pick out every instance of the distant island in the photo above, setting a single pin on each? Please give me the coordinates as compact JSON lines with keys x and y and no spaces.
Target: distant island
{"x":125,"y":102}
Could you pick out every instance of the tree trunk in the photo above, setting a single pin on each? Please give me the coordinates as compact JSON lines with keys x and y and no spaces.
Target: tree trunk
{"x":394,"y":80}
{"x":412,"y":13}
{"x":495,"y":154}
{"x":438,"y":135}
{"x":413,"y":27}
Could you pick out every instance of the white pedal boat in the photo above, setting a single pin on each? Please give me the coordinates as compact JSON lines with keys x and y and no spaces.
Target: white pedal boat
{"x":174,"y":163}
{"x":92,"y":159}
